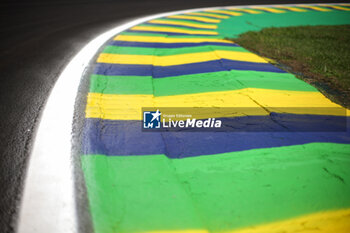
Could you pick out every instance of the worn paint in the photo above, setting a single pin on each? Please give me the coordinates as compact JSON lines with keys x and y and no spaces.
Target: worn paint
{"x":255,"y":180}
{"x":217,"y":193}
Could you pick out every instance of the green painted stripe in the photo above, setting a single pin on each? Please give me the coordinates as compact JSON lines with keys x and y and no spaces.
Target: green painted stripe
{"x":121,"y":84}
{"x":169,"y":36}
{"x":197,"y":83}
{"x":169,"y":51}
{"x":145,"y":193}
{"x":228,"y":80}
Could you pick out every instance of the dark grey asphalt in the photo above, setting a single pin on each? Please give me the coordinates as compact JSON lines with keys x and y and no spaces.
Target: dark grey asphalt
{"x":38,"y":38}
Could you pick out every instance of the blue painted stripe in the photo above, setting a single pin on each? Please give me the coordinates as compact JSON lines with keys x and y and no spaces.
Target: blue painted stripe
{"x":282,"y":9}
{"x":126,"y":137}
{"x":264,"y":11}
{"x":334,"y":9}
{"x":166,"y":45}
{"x":309,"y":9}
{"x":177,"y":26}
{"x":206,"y":16}
{"x":171,"y":33}
{"x":192,"y":68}
{"x":187,"y":21}
{"x":193,"y":20}
{"x":222,"y":13}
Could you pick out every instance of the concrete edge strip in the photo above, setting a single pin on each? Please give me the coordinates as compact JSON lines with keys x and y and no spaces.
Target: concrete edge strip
{"x":48,"y":201}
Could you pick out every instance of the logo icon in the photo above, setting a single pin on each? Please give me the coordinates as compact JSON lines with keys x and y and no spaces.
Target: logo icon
{"x":151,"y":120}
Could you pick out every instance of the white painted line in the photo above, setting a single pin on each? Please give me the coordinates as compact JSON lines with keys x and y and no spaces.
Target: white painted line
{"x":48,"y":202}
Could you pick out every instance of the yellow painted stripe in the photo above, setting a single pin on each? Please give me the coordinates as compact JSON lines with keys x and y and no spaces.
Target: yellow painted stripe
{"x":337,"y":7}
{"x":159,"y":21}
{"x":292,"y":8}
{"x":337,"y":221}
{"x":314,"y":8}
{"x":225,"y":12}
{"x":178,"y":59}
{"x":246,"y":10}
{"x":272,"y":10}
{"x":179,"y":231}
{"x":159,"y":39}
{"x":255,"y":101}
{"x":209,"y":15}
{"x":169,"y":29}
{"x":202,"y":19}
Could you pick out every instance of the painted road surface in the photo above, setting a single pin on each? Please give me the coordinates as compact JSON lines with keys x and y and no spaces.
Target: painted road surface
{"x":280,"y":180}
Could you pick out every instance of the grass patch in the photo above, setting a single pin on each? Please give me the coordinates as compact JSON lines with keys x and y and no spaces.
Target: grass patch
{"x":320,"y":55}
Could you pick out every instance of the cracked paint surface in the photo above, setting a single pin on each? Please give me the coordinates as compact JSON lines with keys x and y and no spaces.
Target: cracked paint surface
{"x":254,"y":181}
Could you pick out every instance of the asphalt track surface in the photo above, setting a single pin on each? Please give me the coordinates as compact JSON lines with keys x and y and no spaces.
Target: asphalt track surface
{"x":38,"y":40}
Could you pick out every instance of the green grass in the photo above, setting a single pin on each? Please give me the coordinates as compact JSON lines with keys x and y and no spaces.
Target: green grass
{"x":320,"y":55}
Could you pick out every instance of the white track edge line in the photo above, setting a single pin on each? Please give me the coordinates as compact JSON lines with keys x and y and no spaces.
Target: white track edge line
{"x":48,"y":201}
